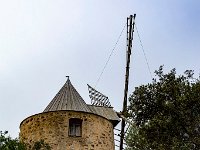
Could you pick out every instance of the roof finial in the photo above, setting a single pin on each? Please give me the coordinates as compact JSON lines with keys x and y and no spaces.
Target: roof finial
{"x":67,"y":77}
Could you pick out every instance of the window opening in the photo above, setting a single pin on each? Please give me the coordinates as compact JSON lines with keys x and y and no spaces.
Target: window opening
{"x":75,"y":127}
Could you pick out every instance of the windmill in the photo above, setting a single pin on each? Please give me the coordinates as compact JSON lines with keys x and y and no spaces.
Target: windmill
{"x":99,"y":99}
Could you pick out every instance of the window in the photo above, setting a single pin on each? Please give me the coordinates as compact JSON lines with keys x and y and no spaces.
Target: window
{"x":75,"y":127}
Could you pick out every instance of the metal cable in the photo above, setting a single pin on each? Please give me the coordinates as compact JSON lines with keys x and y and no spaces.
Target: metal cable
{"x":110,"y":56}
{"x":143,"y":51}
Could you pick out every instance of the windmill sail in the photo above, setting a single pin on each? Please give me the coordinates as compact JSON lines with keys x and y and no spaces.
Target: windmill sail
{"x":97,"y":98}
{"x":130,"y":30}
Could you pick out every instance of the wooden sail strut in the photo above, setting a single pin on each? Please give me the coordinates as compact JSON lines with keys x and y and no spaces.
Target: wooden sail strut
{"x":130,"y":30}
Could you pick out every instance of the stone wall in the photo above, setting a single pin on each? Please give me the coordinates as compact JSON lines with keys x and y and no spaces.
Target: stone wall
{"x":52,"y":127}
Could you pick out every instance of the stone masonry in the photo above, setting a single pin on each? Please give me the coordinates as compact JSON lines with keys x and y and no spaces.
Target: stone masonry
{"x":52,"y":127}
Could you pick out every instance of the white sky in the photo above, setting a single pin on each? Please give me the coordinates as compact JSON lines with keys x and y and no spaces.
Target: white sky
{"x":43,"y":41}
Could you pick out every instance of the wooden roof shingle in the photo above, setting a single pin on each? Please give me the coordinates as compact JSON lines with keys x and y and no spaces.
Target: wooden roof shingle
{"x":67,"y":99}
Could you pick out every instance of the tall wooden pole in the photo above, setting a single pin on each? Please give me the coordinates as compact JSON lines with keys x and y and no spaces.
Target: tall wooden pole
{"x":130,"y":30}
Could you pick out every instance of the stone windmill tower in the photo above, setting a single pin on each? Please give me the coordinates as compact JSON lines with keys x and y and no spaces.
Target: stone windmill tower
{"x":68,"y":123}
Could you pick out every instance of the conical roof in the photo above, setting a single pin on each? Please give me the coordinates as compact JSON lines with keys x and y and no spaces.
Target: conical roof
{"x":67,"y":99}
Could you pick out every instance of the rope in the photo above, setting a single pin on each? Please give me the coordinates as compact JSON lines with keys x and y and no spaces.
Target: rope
{"x":110,"y":56}
{"x":143,"y":51}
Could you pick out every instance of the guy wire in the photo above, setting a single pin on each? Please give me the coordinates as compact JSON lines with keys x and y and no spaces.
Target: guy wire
{"x":110,"y":56}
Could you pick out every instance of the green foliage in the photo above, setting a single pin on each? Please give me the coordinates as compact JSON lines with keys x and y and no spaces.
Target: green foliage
{"x":41,"y":145}
{"x":7,"y":143}
{"x":166,"y":113}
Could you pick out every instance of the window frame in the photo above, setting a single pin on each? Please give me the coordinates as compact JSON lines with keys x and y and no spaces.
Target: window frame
{"x":75,"y":127}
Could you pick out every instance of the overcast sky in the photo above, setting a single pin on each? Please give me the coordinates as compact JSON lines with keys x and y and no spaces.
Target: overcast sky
{"x":43,"y":41}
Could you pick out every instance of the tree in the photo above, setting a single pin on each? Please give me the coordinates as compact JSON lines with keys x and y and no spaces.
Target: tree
{"x":7,"y":143}
{"x":41,"y":145}
{"x":165,"y":113}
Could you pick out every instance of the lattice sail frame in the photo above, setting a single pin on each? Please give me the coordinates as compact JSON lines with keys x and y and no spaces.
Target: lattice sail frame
{"x":97,"y":98}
